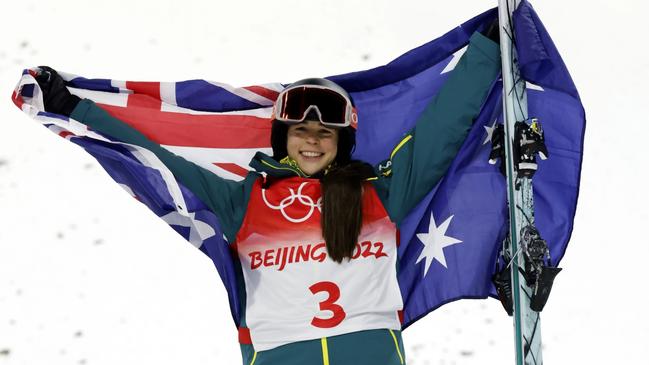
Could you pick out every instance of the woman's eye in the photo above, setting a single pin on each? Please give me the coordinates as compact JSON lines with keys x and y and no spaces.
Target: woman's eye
{"x":302,"y":131}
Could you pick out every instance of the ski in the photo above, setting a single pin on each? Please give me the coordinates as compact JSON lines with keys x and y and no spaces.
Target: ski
{"x":525,"y":278}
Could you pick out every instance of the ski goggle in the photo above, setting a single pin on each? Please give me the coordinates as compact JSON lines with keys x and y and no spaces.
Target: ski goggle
{"x":333,"y":109}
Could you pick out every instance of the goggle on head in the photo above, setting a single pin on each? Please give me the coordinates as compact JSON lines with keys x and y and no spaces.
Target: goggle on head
{"x":332,"y":108}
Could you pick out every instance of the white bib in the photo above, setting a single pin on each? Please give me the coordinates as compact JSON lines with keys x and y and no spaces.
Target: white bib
{"x":294,"y":291}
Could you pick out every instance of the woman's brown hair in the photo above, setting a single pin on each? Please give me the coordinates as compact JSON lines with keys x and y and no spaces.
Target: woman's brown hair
{"x":342,"y":208}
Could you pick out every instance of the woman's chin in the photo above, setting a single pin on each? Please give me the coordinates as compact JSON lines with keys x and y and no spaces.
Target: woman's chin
{"x":311,"y":170}
{"x":311,"y":167}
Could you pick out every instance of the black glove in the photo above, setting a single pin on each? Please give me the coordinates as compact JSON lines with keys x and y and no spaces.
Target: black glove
{"x":492,"y":31}
{"x":56,"y":97}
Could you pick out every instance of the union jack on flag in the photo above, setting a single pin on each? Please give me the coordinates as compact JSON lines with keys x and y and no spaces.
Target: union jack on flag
{"x":449,"y":242}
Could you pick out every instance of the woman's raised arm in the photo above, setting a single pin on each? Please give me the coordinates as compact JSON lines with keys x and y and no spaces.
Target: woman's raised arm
{"x":226,"y":198}
{"x":424,"y":154}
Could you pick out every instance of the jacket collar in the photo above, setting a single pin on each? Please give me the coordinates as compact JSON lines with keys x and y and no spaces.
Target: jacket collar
{"x":261,"y":162}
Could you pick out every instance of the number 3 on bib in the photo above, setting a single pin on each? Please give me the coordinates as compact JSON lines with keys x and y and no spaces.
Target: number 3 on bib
{"x":328,"y":304}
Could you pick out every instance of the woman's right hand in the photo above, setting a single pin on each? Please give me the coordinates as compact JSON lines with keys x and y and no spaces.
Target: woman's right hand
{"x":56,"y":97}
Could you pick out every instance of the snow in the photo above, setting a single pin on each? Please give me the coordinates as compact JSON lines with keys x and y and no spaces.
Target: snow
{"x":89,"y":276}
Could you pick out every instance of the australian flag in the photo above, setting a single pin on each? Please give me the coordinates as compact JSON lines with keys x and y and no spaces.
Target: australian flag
{"x":449,"y":242}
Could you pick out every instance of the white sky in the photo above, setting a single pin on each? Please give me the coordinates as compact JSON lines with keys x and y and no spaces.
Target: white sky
{"x":88,"y":276}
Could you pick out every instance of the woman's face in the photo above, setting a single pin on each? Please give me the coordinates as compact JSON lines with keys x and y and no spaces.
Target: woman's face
{"x":312,"y":145}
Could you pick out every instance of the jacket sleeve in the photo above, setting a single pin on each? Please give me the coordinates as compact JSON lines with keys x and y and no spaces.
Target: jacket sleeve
{"x":226,"y":198}
{"x":424,"y":154}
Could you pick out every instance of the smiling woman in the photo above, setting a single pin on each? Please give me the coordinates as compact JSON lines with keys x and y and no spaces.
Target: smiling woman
{"x":312,"y":145}
{"x":314,"y":130}
{"x":313,"y":234}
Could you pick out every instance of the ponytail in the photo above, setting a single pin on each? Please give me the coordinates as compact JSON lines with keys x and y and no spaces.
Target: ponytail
{"x":342,"y":208}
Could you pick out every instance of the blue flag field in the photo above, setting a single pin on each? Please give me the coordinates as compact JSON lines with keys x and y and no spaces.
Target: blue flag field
{"x":449,"y":242}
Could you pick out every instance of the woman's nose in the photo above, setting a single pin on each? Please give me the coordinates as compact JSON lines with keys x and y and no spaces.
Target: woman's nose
{"x":312,"y":138}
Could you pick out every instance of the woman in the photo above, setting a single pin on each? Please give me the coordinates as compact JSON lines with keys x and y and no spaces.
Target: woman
{"x":315,"y":233}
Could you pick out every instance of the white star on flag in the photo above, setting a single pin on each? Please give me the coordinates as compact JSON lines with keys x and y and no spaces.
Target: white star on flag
{"x":454,"y":61}
{"x":490,"y":132}
{"x":532,"y":86}
{"x":199,"y":231}
{"x":434,"y":242}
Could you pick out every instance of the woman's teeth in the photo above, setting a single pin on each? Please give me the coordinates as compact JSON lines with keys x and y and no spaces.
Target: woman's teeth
{"x":310,"y":154}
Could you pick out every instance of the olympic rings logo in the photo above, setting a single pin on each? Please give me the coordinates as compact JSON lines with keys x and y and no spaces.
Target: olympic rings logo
{"x":289,"y":200}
